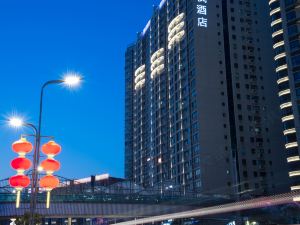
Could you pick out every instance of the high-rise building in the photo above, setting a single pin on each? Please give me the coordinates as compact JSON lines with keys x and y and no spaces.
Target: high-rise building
{"x":286,"y":44}
{"x":201,"y":97}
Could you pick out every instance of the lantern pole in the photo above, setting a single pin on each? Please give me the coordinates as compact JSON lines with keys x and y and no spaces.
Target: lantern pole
{"x":70,"y":80}
{"x":34,"y":171}
{"x":36,"y":156}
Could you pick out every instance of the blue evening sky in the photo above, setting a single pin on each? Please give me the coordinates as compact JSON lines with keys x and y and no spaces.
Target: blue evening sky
{"x":39,"y":40}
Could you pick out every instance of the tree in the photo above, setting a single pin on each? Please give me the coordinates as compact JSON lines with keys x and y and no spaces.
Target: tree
{"x":25,"y":219}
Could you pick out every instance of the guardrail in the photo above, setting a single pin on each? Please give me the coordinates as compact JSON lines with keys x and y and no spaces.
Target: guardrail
{"x":114,"y":198}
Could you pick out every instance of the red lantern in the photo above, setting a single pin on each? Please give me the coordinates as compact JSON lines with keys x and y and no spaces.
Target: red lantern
{"x":19,"y":181}
{"x":22,"y":146}
{"x":51,"y":148}
{"x":21,"y":164}
{"x":49,"y":182}
{"x":50,"y":165}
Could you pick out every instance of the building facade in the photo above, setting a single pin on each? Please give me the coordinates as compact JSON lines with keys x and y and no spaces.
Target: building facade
{"x":129,"y":70}
{"x":205,"y":115}
{"x":286,"y":44}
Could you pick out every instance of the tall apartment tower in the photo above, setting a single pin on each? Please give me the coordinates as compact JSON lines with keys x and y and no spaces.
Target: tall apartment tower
{"x":201,"y":91}
{"x":286,"y":44}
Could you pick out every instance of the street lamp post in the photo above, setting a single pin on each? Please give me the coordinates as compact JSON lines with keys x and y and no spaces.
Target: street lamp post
{"x":70,"y":80}
{"x":18,"y":122}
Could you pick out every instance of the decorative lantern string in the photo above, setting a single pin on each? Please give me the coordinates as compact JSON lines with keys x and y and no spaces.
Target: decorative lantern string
{"x":50,"y":165}
{"x":20,"y":164}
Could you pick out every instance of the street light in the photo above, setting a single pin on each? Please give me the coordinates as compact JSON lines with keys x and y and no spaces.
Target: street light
{"x":70,"y":79}
{"x":15,"y":122}
{"x":18,"y":122}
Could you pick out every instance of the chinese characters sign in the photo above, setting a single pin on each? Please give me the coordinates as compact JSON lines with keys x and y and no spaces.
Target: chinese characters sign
{"x":202,"y":13}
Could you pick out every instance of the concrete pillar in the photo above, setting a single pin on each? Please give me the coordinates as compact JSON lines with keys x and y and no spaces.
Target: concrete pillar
{"x":69,"y":221}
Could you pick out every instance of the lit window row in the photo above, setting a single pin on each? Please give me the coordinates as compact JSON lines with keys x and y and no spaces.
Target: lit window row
{"x":284,"y":92}
{"x":271,"y":1}
{"x":157,"y":63}
{"x":140,"y":84}
{"x":287,"y":118}
{"x":289,"y":131}
{"x":275,"y":11}
{"x":277,"y":33}
{"x":286,"y":105}
{"x":139,"y":77}
{"x":293,"y":159}
{"x":177,"y":38}
{"x":158,"y":70}
{"x":176,"y":30}
{"x":294,"y":173}
{"x":279,"y":68}
{"x":157,"y":54}
{"x":276,"y":22}
{"x":295,"y":188}
{"x":175,"y":21}
{"x":139,"y":70}
{"x":279,"y":56}
{"x":278,"y":44}
{"x":281,"y":80}
{"x":291,"y":145}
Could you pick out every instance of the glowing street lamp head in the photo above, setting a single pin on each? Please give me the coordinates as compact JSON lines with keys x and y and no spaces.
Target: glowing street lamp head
{"x":72,"y":79}
{"x":16,"y":122}
{"x":40,"y":169}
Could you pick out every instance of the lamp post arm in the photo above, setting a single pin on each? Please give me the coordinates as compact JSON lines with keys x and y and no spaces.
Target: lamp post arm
{"x":41,"y":113}
{"x":33,"y":127}
{"x":41,"y":101}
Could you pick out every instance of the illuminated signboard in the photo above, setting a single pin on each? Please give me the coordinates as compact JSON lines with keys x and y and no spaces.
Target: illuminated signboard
{"x":231,"y":223}
{"x":202,"y":13}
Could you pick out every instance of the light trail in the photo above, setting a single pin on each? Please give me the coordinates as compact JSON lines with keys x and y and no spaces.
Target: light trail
{"x":226,"y":208}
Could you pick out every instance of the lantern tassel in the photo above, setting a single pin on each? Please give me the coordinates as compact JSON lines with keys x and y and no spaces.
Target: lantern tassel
{"x":48,"y":199}
{"x":18,"y":199}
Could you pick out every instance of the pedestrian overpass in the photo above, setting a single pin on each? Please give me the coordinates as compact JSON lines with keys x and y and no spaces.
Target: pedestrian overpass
{"x":127,"y":203}
{"x":119,"y":199}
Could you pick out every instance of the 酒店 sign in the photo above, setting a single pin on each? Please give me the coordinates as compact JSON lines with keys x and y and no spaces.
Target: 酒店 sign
{"x":202,"y":13}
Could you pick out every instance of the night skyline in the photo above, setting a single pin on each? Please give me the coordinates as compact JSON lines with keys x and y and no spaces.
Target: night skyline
{"x":162,"y":112}
{"x":41,"y":41}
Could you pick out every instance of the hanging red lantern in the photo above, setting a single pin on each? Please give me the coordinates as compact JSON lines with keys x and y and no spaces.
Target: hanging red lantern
{"x":19,"y":181}
{"x":21,"y":164}
{"x":51,"y":148}
{"x":50,"y":165}
{"x":49,"y":182}
{"x":22,"y":146}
